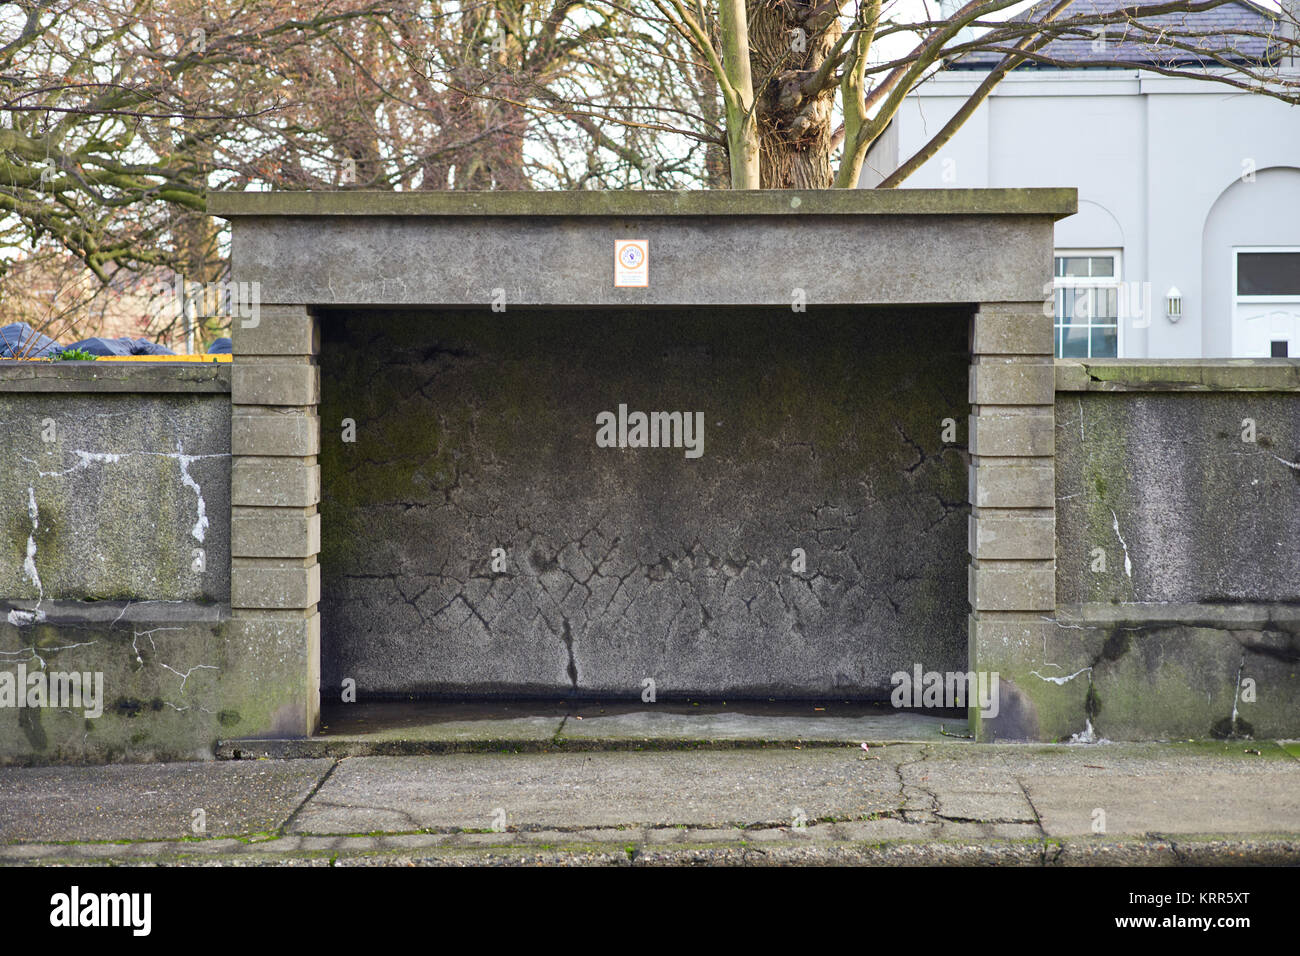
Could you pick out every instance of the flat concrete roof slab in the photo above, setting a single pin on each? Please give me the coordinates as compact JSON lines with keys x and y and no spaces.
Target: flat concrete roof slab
{"x":1056,"y":202}
{"x":706,"y":247}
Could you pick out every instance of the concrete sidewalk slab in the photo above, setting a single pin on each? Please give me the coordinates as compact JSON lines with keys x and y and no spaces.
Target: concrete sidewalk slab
{"x":1226,"y":802}
{"x":577,"y":791}
{"x":1204,"y":803}
{"x":1204,"y":787}
{"x":151,"y":801}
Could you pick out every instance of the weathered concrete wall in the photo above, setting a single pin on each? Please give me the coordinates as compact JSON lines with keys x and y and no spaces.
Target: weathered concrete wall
{"x":1178,"y":556}
{"x":477,"y":431}
{"x":119,"y":495}
{"x":115,"y":477}
{"x":176,"y":677}
{"x":1183,"y":509}
{"x":822,"y":434}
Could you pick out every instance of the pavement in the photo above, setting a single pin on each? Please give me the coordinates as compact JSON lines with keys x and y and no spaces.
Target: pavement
{"x":935,"y":801}
{"x":397,"y":728}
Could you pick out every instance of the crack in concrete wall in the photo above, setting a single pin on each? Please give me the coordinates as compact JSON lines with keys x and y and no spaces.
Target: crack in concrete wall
{"x":475,"y":434}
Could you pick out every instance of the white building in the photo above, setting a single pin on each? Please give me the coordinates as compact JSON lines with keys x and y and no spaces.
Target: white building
{"x":1187,"y":239}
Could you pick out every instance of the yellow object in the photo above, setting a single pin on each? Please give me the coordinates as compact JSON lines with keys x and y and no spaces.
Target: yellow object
{"x":227,"y":357}
{"x":165,"y":358}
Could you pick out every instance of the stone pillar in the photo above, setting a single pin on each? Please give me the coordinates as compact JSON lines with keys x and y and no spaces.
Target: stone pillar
{"x":1013,"y":498}
{"x":275,"y":521}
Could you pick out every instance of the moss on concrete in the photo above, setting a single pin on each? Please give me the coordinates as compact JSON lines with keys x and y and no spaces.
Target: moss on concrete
{"x":1054,"y":203}
{"x":157,"y":699}
{"x":176,"y":679}
{"x":1175,"y":375}
{"x":1162,"y":681}
{"x":476,"y":429}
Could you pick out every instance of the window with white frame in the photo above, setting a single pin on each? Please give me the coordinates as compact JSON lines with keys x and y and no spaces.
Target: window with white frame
{"x":1087,"y":294}
{"x":1268,"y":273}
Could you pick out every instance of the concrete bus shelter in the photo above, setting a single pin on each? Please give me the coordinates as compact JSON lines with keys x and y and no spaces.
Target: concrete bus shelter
{"x":475,"y":540}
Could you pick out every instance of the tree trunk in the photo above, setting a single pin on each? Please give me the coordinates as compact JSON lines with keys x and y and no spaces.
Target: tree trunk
{"x":716,"y":173}
{"x":789,"y":40}
{"x":742,"y":126}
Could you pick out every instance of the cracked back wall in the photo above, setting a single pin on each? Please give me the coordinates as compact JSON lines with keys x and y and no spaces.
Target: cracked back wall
{"x":476,"y":430}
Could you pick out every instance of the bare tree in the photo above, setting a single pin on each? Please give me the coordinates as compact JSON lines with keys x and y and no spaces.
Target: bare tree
{"x":117,"y":116}
{"x":798,"y":90}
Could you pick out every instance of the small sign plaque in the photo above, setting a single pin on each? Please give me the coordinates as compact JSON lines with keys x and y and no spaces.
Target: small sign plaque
{"x":631,"y":263}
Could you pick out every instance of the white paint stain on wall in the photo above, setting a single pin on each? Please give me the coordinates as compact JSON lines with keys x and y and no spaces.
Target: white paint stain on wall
{"x":1128,"y":565}
{"x":200,"y":525}
{"x":1059,"y":681}
{"x":87,"y":458}
{"x":29,"y":563}
{"x":16,"y":617}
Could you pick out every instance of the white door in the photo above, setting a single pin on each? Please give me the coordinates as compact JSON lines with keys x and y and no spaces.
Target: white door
{"x":1264,"y":329}
{"x":1266,"y":309}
